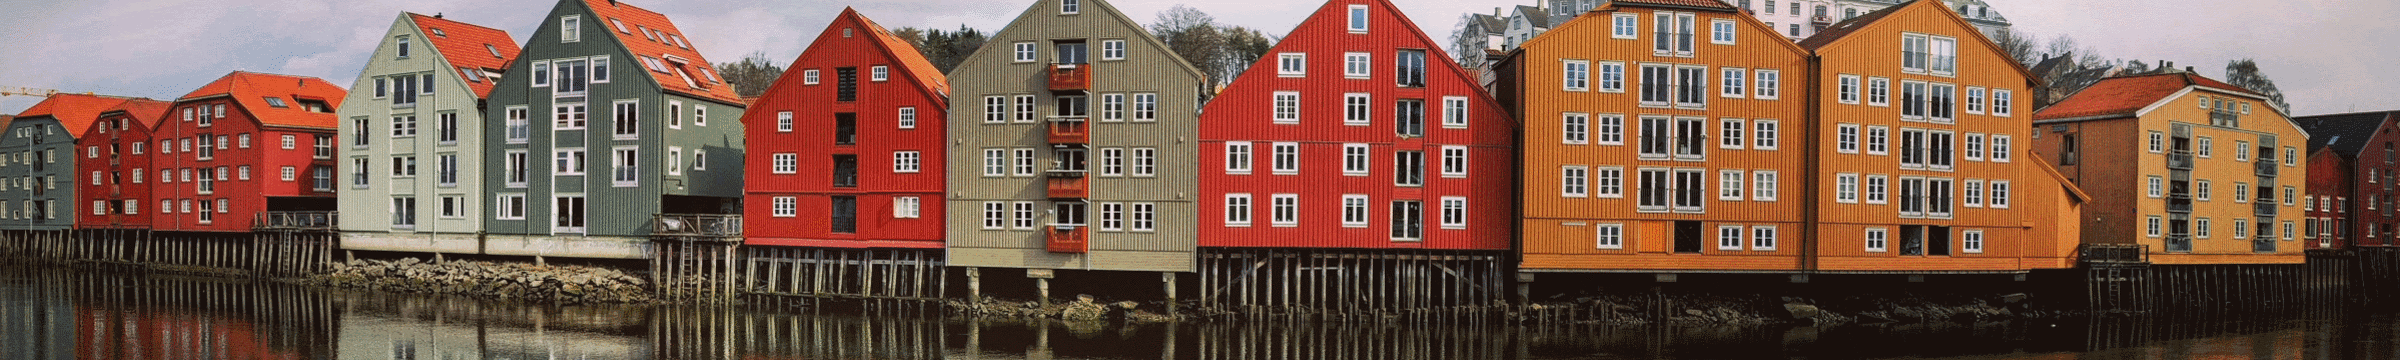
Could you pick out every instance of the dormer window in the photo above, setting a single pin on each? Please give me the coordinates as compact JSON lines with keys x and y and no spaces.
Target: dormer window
{"x":403,"y":47}
{"x":277,"y":102}
{"x":1070,"y":7}
{"x":570,"y":28}
{"x":1358,"y":18}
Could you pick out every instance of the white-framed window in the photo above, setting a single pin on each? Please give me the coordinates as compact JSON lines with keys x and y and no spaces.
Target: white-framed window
{"x":1608,"y":182}
{"x":1112,"y":216}
{"x":1237,"y":210}
{"x":1355,"y":160}
{"x":289,"y":173}
{"x":1729,"y":237}
{"x":995,"y":215}
{"x":1879,"y":91}
{"x":1070,"y":7}
{"x":1287,"y":107}
{"x":786,"y":206}
{"x":1975,"y":100}
{"x":2200,"y":189}
{"x":1237,"y":157}
{"x":1291,"y":64}
{"x":2158,"y":187}
{"x":1845,"y":188}
{"x":1145,"y":217}
{"x":995,"y":109}
{"x":2200,"y":228}
{"x":1877,"y":189}
{"x":1112,"y":107}
{"x":1624,"y":26}
{"x":908,"y":118}
{"x":810,"y":77}
{"x":1024,"y":51}
{"x":1975,"y":150}
{"x":1608,"y":129}
{"x":1722,"y":32}
{"x":1763,"y":237}
{"x":2291,"y":156}
{"x":879,"y":73}
{"x":625,"y":169}
{"x":516,"y":165}
{"x":1877,"y":239}
{"x":2158,"y":142}
{"x":2153,"y":226}
{"x":1023,"y":160}
{"x":1024,"y":216}
{"x":2002,"y":103}
{"x":1848,"y":89}
{"x":1767,"y":134}
{"x":905,"y":161}
{"x":1454,"y":112}
{"x":1454,"y":161}
{"x":1145,"y":107}
{"x":1575,"y":128}
{"x":1729,"y":184}
{"x":509,"y":207}
{"x":1732,"y":82}
{"x":2241,"y":228}
{"x":1608,"y":236}
{"x":906,"y":207}
{"x":1113,"y":49}
{"x":1573,"y":181}
{"x":1145,"y":162}
{"x":1612,"y":77}
{"x":1024,"y":109}
{"x":1578,"y":75}
{"x":1284,"y":158}
{"x":1354,"y":211}
{"x":1770,"y":85}
{"x":1731,"y":132}
{"x":1284,"y":210}
{"x":1112,"y":162}
{"x":1845,"y":138}
{"x":1970,"y":241}
{"x":1356,"y":110}
{"x":789,"y":163}
{"x":1974,"y":190}
{"x":1355,"y":65}
{"x":1999,"y":194}
{"x":1764,"y":185}
{"x":1358,"y":18}
{"x":2000,"y":150}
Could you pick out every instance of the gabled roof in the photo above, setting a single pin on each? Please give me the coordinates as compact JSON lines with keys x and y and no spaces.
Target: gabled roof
{"x":1534,"y":16}
{"x":2125,"y":95}
{"x":2346,"y":134}
{"x":670,"y":47}
{"x":1842,"y":30}
{"x":73,"y":111}
{"x":252,"y":90}
{"x":1838,"y":30}
{"x":469,"y":46}
{"x":145,"y":112}
{"x":912,"y":61}
{"x":1490,"y":23}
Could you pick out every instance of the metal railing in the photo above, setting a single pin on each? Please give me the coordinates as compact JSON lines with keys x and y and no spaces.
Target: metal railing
{"x":2266,"y":167}
{"x":295,"y":220}
{"x":2179,"y":160}
{"x":2114,"y":253}
{"x":708,"y":225}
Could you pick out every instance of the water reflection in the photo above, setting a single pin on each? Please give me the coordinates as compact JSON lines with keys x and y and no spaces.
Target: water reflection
{"x":53,"y":314}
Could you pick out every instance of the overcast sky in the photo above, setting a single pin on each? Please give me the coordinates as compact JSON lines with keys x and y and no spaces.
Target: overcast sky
{"x":2327,"y":55}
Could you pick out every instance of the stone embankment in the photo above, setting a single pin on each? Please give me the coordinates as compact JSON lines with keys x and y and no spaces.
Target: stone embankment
{"x":490,"y":280}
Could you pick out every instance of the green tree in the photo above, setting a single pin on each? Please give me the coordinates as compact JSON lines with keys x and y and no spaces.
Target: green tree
{"x":2244,"y":73}
{"x":751,"y":75}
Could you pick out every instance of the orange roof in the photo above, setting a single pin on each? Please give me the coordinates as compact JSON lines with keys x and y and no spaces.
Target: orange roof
{"x":669,"y":47}
{"x":912,"y":62}
{"x":1707,"y":4}
{"x":145,"y":111}
{"x":469,"y":46}
{"x":252,"y":90}
{"x":73,"y":111}
{"x":2123,"y":95}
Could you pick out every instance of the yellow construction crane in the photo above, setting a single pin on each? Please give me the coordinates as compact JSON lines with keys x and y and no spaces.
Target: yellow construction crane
{"x":25,"y":91}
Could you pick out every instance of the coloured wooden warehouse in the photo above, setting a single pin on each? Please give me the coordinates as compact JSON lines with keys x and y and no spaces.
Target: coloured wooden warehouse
{"x":608,"y":121}
{"x":229,"y":138}
{"x":413,"y":146}
{"x":2211,"y":174}
{"x":1353,"y":145}
{"x":847,"y":161}
{"x":1066,"y":80}
{"x":2351,"y":166}
{"x":42,"y":171}
{"x":116,"y":194}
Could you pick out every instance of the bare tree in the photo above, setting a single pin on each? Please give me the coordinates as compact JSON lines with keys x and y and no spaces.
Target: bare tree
{"x":1243,"y":47}
{"x":2018,"y":46}
{"x":751,"y":75}
{"x":1194,"y":35}
{"x":2244,"y":73}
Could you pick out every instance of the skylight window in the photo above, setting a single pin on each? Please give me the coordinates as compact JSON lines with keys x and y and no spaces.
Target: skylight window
{"x":646,"y":32}
{"x":438,"y":32}
{"x":619,"y":24}
{"x":471,"y":74}
{"x":678,"y":41}
{"x":494,"y":49}
{"x":276,"y":102}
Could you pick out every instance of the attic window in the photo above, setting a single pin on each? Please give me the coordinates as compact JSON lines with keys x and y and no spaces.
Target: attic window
{"x":646,"y":32}
{"x":653,"y":64}
{"x":438,"y":32}
{"x":494,"y":49}
{"x":316,"y":106}
{"x":1070,"y":7}
{"x":679,"y":41}
{"x":276,"y":102}
{"x":619,"y":24}
{"x":846,"y":32}
{"x":471,"y":74}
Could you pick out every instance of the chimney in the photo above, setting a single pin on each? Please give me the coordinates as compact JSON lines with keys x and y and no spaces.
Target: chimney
{"x":2187,"y":69}
{"x":437,"y":15}
{"x":1495,"y":11}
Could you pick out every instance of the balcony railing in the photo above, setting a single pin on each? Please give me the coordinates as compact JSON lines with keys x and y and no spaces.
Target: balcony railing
{"x":2179,"y":203}
{"x":2262,"y":244}
{"x":2266,"y":167}
{"x":1068,"y":238}
{"x":2265,"y":207}
{"x":295,"y":220}
{"x":2179,"y":243}
{"x":2179,"y":160}
{"x":1070,"y":130}
{"x":2115,"y":253}
{"x":1066,"y":184}
{"x":1070,"y":77}
{"x":700,"y":225}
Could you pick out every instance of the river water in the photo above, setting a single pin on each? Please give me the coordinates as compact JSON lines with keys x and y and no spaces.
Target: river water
{"x":64,"y":314}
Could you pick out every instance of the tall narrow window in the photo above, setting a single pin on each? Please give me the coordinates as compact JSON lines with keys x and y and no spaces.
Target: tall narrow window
{"x":1358,"y":18}
{"x":1409,"y":118}
{"x":1408,"y":220}
{"x":626,"y":119}
{"x":1409,"y":168}
{"x":1411,"y":68}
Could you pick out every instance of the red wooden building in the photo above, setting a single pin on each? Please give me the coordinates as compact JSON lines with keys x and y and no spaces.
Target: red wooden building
{"x":117,"y":161}
{"x":233,"y":140}
{"x":2353,"y":163}
{"x":845,"y":150}
{"x":1356,"y":132}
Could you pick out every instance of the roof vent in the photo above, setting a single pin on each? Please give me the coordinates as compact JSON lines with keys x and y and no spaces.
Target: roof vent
{"x":437,"y":15}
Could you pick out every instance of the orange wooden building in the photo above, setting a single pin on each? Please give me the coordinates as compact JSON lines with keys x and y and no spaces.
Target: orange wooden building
{"x":1683,"y":136}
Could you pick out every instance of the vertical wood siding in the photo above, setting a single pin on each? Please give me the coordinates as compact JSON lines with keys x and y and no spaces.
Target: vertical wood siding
{"x":850,"y":41}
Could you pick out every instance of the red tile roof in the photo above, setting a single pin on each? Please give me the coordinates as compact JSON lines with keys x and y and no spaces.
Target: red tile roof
{"x":912,"y":62}
{"x":669,"y":47}
{"x":469,"y":46}
{"x":2123,"y":95}
{"x":73,"y":111}
{"x":146,"y":111}
{"x":252,"y":90}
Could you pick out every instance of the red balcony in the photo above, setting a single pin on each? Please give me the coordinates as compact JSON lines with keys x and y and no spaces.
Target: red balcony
{"x":1068,"y":239}
{"x":1070,"y":131}
{"x":1066,"y":185}
{"x":1070,"y":77}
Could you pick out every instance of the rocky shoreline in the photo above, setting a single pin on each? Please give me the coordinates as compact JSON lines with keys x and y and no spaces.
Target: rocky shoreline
{"x":490,"y":280}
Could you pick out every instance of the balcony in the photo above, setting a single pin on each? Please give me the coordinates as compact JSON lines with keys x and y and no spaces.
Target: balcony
{"x":1069,"y":184}
{"x":2115,"y":253}
{"x":1065,"y":130}
{"x":294,"y":221}
{"x":2224,"y":118}
{"x":2179,"y":243}
{"x":1070,"y":77}
{"x":1068,"y":238}
{"x":2179,"y":160}
{"x":2265,"y":207}
{"x":1821,"y":20}
{"x":2266,"y":167}
{"x":722,"y":226}
{"x":2179,"y":203}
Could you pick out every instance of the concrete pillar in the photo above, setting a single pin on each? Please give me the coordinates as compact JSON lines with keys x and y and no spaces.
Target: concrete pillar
{"x":1042,"y":286}
{"x":974,"y":286}
{"x":1169,"y":279}
{"x":1524,"y":288}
